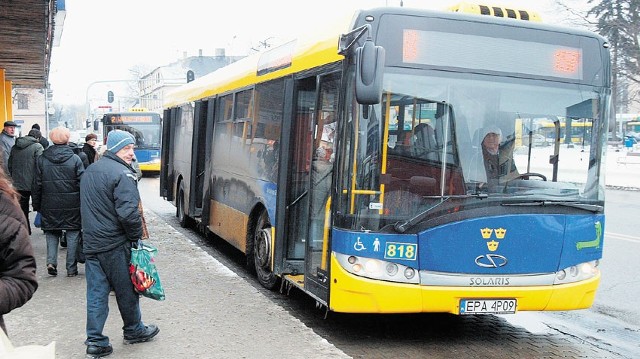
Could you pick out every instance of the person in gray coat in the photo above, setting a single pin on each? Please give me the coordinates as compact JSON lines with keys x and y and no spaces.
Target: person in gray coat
{"x":22,"y":167}
{"x":7,"y":140}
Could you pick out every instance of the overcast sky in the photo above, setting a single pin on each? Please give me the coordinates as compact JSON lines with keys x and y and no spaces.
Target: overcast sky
{"x":103,"y":40}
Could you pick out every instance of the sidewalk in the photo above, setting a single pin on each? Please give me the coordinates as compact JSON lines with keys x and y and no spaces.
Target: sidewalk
{"x":209,"y":312}
{"x":622,"y":169}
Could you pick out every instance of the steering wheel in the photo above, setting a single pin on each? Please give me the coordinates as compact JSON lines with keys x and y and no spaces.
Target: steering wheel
{"x":529,"y":174}
{"x":524,"y":176}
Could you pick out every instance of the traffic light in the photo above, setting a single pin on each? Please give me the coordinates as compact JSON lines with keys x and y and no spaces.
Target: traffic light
{"x":190,"y":76}
{"x":88,"y":123}
{"x":110,"y":96}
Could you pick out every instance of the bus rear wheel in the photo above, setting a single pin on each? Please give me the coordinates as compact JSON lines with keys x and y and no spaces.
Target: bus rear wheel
{"x":262,"y":252}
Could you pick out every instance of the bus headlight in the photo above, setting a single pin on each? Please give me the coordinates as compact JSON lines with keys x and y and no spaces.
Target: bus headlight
{"x":576,"y":273}
{"x":377,"y":269}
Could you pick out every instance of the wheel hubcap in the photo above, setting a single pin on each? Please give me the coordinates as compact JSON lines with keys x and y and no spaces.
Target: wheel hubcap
{"x":263,"y":247}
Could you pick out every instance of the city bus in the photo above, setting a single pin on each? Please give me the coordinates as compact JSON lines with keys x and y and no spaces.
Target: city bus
{"x":146,"y":128}
{"x":342,"y":163}
{"x":579,"y":133}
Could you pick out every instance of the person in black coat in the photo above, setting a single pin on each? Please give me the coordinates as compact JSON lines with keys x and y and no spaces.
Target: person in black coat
{"x":89,"y":148}
{"x":78,"y":151}
{"x":56,"y":195}
{"x":43,"y":139}
{"x":18,"y":280}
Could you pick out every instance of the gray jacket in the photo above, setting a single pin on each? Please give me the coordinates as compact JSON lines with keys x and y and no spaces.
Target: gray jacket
{"x":6,"y":142}
{"x":22,"y":162}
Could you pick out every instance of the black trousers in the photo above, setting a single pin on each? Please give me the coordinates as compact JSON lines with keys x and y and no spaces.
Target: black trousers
{"x":25,"y":197}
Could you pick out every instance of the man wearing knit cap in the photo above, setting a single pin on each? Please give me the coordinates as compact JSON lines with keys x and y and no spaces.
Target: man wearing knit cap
{"x":56,"y":195}
{"x":111,"y":224}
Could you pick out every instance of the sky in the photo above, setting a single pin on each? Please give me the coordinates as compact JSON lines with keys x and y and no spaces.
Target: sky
{"x":104,"y":40}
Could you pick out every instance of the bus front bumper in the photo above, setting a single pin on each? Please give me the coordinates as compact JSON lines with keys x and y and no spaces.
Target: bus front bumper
{"x":353,"y":294}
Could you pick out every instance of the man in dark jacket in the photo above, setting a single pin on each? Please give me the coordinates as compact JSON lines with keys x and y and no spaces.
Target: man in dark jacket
{"x":56,"y":195}
{"x":22,"y":167}
{"x":112,"y":223}
{"x":18,"y":279}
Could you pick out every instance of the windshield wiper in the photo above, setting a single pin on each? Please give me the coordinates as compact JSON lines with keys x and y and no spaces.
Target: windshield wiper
{"x":402,"y":227}
{"x":584,"y":206}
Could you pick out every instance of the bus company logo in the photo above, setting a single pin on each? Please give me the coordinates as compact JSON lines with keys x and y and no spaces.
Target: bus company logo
{"x":486,"y":233}
{"x":491,"y":261}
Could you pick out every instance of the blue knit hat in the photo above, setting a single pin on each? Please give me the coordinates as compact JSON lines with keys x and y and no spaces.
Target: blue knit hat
{"x":117,"y":139}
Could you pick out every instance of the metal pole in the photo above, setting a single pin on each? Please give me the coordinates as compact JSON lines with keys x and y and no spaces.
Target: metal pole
{"x":87,"y":94}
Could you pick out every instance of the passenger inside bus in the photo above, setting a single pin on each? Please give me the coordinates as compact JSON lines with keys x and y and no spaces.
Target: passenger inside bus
{"x":493,"y":163}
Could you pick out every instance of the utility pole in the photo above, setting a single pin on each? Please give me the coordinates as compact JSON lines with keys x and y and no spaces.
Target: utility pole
{"x":99,"y":82}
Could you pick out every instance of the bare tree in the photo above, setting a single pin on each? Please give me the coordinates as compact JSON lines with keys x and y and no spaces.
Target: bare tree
{"x":619,"y":22}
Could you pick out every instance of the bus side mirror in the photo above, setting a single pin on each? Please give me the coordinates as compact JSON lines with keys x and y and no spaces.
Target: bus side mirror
{"x":369,"y":67}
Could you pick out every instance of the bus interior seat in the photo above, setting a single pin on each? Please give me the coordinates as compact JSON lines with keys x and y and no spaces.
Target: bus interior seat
{"x":425,"y":145}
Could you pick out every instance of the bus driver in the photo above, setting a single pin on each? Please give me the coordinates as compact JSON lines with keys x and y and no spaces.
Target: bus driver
{"x":492,"y":165}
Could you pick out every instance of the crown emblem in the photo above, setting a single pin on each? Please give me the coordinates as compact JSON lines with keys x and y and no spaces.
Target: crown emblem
{"x":500,"y":233}
{"x":492,"y":245}
{"x":486,"y":232}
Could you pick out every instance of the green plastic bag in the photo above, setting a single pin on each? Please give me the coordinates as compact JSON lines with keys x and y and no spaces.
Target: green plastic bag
{"x":143,"y":271}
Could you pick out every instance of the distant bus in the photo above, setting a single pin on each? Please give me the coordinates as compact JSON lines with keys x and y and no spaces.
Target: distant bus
{"x":632,"y":126}
{"x":580,"y":132}
{"x":146,"y":128}
{"x":342,"y":163}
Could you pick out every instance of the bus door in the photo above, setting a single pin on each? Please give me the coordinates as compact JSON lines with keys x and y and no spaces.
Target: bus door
{"x":198,"y":153}
{"x":310,"y":178}
{"x":166,"y":160}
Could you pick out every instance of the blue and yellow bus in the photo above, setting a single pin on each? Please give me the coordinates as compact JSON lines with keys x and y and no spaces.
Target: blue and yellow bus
{"x":146,"y":127}
{"x":343,"y":163}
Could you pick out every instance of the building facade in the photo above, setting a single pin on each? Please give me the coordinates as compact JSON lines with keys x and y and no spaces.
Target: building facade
{"x":163,"y":79}
{"x":29,"y":108}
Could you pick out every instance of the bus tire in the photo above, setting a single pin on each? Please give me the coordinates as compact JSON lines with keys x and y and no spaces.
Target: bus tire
{"x":261,"y":252}
{"x":180,"y":206}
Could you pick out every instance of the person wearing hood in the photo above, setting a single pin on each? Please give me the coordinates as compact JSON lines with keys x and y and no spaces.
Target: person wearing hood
{"x":56,"y":195}
{"x":22,"y":167}
{"x":493,"y":164}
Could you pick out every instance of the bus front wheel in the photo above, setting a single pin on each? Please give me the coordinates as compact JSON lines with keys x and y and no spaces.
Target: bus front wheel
{"x":262,"y":251}
{"x":180,"y":212}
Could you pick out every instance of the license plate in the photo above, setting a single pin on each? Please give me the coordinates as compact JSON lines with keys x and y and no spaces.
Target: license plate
{"x":488,"y":306}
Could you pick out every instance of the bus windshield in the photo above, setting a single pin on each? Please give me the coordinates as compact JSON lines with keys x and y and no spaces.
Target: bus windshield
{"x":144,"y":126}
{"x":426,"y":143}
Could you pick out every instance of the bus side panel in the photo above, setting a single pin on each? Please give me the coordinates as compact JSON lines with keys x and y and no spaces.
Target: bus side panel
{"x":182,"y":151}
{"x":229,"y":223}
